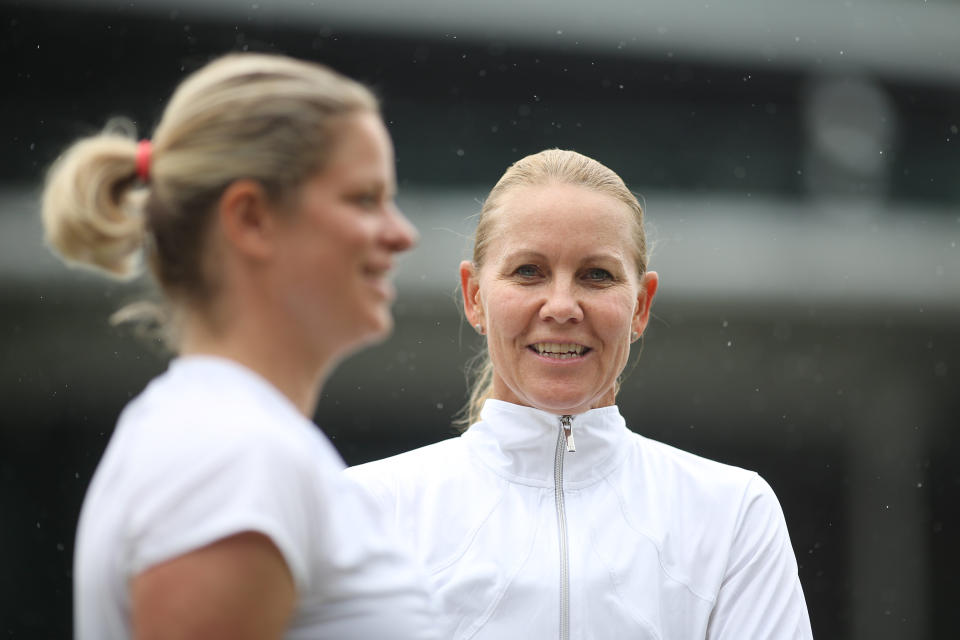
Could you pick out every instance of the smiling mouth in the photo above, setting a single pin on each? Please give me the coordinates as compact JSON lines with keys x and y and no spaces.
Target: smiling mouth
{"x":559,"y":350}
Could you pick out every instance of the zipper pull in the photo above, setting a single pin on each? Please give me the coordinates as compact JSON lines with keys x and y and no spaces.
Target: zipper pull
{"x":566,"y":423}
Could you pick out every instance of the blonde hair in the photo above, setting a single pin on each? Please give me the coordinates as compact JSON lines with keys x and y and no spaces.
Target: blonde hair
{"x":243,"y":116}
{"x":546,"y":167}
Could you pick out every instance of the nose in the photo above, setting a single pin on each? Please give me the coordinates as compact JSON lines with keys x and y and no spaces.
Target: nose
{"x":399,"y":234}
{"x":561,"y":304}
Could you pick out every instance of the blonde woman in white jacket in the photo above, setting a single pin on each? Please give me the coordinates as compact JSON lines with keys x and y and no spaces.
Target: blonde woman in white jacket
{"x":548,"y":518}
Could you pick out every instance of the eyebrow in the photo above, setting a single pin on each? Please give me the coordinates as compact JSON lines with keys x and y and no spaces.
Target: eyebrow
{"x":525,"y":253}
{"x":537,"y":255}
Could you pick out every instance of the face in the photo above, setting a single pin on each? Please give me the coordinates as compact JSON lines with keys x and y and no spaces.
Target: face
{"x":558,"y":296}
{"x":337,"y":247}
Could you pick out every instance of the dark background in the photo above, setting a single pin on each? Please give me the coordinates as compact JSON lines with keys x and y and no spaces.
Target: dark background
{"x":807,"y":325}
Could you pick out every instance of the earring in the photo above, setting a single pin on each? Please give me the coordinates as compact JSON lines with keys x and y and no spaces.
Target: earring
{"x":479,"y":328}
{"x":634,"y":336}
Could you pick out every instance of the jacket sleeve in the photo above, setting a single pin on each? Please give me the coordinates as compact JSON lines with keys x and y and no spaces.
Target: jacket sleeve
{"x":760,"y":597}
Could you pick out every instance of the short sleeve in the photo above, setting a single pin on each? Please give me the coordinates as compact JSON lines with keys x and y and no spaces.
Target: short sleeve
{"x":192,"y":496}
{"x":760,"y":597}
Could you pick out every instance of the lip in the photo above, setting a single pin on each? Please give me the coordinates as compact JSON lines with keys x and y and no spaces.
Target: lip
{"x":379,"y":280}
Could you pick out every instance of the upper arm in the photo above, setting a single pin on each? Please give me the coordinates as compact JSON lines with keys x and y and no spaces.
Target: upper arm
{"x":760,"y":596}
{"x":238,"y":587}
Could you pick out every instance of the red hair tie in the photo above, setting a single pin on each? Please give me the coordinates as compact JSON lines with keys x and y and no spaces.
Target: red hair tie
{"x":143,"y":160}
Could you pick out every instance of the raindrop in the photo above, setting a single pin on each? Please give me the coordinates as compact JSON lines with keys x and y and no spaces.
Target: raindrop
{"x":729,"y":343}
{"x":460,"y":153}
{"x":439,"y":405}
{"x":60,"y":546}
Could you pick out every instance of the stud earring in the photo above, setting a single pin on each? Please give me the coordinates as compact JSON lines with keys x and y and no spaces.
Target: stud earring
{"x":479,"y":328}
{"x":634,"y":336}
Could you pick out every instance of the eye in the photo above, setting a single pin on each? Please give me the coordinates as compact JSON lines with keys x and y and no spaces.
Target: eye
{"x":598,"y":275}
{"x":527,"y":271}
{"x":366,"y":200}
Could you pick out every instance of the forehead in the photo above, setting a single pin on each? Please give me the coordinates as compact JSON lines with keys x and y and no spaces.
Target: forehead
{"x":561,"y":218}
{"x":362,"y":148}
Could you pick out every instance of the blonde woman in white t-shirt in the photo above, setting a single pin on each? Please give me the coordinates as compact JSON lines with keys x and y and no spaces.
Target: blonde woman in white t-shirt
{"x":264,"y":206}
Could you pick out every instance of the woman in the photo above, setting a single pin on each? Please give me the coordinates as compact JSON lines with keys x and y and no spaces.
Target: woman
{"x":548,"y":518}
{"x":265,"y":206}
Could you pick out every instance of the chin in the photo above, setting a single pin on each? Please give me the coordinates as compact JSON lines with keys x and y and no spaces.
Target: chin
{"x":376,"y":327}
{"x":559,"y":404}
{"x":573,"y":399}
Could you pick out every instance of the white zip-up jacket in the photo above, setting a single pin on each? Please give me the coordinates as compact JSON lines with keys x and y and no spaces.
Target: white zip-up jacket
{"x":623,"y":537}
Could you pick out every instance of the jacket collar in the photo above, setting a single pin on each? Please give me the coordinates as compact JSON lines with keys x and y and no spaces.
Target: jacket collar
{"x":520,"y":444}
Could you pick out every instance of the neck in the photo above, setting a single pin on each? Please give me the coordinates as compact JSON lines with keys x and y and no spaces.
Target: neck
{"x":265,"y":348}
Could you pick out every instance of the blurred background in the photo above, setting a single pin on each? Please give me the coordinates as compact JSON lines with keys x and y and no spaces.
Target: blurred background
{"x":800,"y":165}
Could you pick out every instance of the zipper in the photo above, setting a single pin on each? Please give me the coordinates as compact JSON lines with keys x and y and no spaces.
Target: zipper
{"x":564,"y":441}
{"x":567,"y":423}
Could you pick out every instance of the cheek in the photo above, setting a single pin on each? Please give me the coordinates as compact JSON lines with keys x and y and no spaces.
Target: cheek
{"x":615,"y":319}
{"x":507,"y":311}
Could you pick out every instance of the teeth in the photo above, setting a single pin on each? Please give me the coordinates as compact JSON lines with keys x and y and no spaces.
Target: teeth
{"x":561,"y":350}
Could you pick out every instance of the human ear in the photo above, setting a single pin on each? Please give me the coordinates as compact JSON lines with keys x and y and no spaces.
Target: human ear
{"x":648,"y":289}
{"x":470,"y":287}
{"x":247,"y":220}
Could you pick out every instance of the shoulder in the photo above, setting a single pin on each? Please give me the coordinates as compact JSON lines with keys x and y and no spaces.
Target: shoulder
{"x":183,"y":418}
{"x":424,"y":466}
{"x":729,"y":492}
{"x":191,"y":464}
{"x":698,"y":512}
{"x":690,"y":473}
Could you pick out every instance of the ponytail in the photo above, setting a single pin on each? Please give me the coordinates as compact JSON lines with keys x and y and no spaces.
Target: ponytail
{"x":93,"y":205}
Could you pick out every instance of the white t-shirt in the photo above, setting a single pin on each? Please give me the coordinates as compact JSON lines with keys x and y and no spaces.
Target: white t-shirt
{"x":209,"y":450}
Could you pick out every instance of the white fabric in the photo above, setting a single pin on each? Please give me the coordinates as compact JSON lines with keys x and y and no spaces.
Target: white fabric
{"x":209,"y":450}
{"x":662,"y":544}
